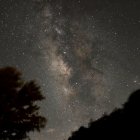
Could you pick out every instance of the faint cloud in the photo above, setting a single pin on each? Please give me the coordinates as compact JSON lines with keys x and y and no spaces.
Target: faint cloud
{"x":50,"y":130}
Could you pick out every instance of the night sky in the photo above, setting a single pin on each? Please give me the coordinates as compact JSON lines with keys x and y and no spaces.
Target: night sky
{"x":85,"y":55}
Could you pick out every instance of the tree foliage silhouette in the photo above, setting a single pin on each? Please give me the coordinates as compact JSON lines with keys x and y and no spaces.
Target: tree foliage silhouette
{"x":120,"y":124}
{"x":19,"y":112}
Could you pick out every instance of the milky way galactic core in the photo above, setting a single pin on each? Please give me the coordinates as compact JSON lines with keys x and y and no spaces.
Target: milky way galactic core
{"x":83,"y":53}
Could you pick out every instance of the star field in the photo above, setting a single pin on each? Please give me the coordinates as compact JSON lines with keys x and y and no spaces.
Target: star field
{"x":84,"y":54}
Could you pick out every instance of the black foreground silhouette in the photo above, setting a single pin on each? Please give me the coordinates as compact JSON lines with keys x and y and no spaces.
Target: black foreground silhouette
{"x":19,"y":113}
{"x":120,"y":124}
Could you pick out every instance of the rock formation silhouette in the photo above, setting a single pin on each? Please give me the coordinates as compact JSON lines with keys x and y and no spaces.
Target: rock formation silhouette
{"x":120,"y":124}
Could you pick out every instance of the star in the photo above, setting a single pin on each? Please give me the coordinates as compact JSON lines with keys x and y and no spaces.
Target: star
{"x":84,"y":54}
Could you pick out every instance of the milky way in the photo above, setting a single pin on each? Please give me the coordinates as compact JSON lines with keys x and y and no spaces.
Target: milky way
{"x":84,"y":54}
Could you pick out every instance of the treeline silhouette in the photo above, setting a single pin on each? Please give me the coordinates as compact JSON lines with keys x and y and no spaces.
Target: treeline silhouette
{"x":19,"y":113}
{"x":120,"y":124}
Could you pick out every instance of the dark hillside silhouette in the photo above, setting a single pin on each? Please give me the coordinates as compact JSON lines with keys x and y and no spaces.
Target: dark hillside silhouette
{"x":19,"y":113}
{"x":121,"y":124}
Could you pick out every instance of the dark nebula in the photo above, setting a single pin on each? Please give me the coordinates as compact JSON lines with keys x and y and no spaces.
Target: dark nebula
{"x":84,"y":54}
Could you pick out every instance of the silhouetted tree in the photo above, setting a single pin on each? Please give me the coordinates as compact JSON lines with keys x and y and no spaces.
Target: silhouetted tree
{"x":19,"y":113}
{"x":120,"y":124}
